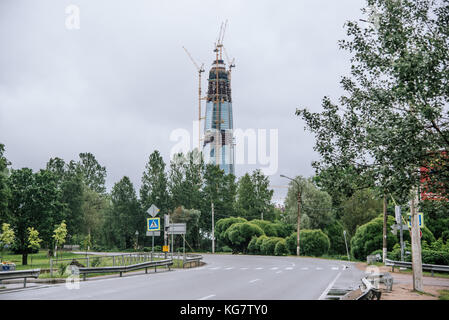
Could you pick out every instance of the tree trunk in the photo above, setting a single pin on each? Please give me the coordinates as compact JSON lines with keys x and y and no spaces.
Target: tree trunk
{"x":24,"y":259}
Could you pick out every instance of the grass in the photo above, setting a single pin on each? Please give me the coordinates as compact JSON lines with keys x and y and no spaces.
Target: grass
{"x":444,"y":295}
{"x":42,"y":261}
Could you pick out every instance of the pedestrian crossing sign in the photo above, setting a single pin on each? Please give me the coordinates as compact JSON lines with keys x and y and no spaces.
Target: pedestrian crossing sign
{"x":153,"y":224}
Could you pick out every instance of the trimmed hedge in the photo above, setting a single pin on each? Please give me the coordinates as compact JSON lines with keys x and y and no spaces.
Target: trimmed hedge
{"x":313,"y":243}
{"x":281,"y":248}
{"x":369,"y":238}
{"x":268,"y":245}
{"x":238,"y":235}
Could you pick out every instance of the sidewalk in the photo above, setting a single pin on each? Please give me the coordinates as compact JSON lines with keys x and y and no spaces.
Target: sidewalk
{"x":403,"y":286}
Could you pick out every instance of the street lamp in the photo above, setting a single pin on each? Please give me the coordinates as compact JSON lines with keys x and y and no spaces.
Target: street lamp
{"x":299,"y":212}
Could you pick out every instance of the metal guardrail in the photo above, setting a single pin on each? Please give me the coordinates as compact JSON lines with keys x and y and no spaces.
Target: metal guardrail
{"x":18,"y":274}
{"x":190,"y":258}
{"x":121,"y":269}
{"x":428,"y":267}
{"x":370,"y":293}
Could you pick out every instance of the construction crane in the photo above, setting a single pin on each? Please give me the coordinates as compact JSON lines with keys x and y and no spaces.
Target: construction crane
{"x":200,"y":71}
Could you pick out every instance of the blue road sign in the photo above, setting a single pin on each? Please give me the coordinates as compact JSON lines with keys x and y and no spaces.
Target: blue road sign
{"x":153,"y":224}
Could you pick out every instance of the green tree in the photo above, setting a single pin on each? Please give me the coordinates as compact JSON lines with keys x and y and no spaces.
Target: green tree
{"x":60,"y":234}
{"x":34,"y":242}
{"x":70,"y":182}
{"x":5,"y":193}
{"x":6,"y":237}
{"x":125,"y":216}
{"x":93,"y":174}
{"x":316,"y":205}
{"x":94,"y":208}
{"x":395,"y":105}
{"x":34,"y":202}
{"x":254,"y":196}
{"x":360,"y":208}
{"x":154,"y":189}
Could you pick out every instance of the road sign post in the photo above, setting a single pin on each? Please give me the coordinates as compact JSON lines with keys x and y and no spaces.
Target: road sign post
{"x":153,"y":211}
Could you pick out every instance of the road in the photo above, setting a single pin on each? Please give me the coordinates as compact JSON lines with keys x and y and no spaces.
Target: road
{"x":224,"y":277}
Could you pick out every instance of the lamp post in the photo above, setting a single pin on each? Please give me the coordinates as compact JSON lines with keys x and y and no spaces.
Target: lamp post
{"x":299,"y":212}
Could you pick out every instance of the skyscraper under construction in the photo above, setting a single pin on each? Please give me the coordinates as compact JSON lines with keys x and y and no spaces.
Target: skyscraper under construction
{"x":218,"y":143}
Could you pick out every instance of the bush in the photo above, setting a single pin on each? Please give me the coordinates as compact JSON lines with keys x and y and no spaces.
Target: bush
{"x":283,"y":230}
{"x":281,"y":248}
{"x":226,"y":249}
{"x":238,"y":235}
{"x":313,"y":243}
{"x":252,"y":246}
{"x":258,"y":244}
{"x":369,"y":238}
{"x":429,"y":256}
{"x":268,"y":245}
{"x":266,"y":226}
{"x":221,"y":227}
{"x":337,"y":241}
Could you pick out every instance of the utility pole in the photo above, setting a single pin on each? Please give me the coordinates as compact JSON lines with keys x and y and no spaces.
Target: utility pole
{"x":299,"y":221}
{"x":384,"y":246}
{"x":213,"y":228}
{"x":416,"y":246}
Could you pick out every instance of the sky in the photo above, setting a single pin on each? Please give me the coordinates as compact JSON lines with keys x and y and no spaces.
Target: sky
{"x":112,"y":78}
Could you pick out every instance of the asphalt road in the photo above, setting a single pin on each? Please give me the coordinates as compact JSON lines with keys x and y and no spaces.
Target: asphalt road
{"x":224,"y":277}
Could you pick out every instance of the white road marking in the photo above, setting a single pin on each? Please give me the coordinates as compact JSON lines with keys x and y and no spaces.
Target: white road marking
{"x":324,"y":294}
{"x":259,"y":268}
{"x":274,"y":268}
{"x":279,"y":271}
{"x":289,"y":268}
{"x":207,"y":297}
{"x":252,"y":281}
{"x":214,"y":268}
{"x":319,"y":268}
{"x":229,"y":268}
{"x":304,"y":268}
{"x":243,"y":268}
{"x":334,"y":268}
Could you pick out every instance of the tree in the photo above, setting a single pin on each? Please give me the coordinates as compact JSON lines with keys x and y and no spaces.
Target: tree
{"x":93,"y":174}
{"x":6,"y":237}
{"x":94,"y":207}
{"x":362,"y":207}
{"x":395,"y":108}
{"x":154,"y":189}
{"x":316,"y":205}
{"x":125,"y":216}
{"x":60,"y":234}
{"x":34,"y":202}
{"x":70,"y":182}
{"x":5,"y":193}
{"x":34,"y":242}
{"x":254,"y":196}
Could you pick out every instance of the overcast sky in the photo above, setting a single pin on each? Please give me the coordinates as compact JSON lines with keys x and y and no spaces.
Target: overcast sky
{"x":120,"y":84}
